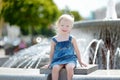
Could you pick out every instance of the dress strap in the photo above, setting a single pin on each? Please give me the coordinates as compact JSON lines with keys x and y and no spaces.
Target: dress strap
{"x":54,"y":40}
{"x":70,"y":38}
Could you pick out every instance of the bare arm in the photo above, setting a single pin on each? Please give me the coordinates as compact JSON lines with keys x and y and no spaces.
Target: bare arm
{"x":51,"y":51}
{"x":77,"y":52}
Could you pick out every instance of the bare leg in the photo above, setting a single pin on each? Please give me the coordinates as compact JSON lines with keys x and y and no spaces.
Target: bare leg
{"x":55,"y":71}
{"x":70,"y":70}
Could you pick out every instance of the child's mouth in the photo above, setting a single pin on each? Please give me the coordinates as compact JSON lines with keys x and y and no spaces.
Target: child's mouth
{"x":64,"y":30}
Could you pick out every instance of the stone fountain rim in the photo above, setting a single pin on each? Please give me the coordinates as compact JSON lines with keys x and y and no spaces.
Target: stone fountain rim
{"x":98,"y":22}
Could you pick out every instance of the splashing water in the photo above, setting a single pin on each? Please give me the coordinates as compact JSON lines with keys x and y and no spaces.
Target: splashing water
{"x":117,"y":55}
{"x":86,"y":54}
{"x":108,"y":59}
{"x":32,"y":57}
{"x":100,"y":41}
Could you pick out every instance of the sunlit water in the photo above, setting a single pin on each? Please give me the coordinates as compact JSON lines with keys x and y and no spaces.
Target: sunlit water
{"x":32,"y":57}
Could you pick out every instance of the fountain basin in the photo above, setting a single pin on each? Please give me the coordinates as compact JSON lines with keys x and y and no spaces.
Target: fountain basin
{"x":97,"y":23}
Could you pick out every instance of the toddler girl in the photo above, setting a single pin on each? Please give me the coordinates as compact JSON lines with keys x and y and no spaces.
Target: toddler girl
{"x":63,"y":46}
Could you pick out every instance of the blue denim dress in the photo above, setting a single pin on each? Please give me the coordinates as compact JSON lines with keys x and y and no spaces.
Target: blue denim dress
{"x":63,"y":53}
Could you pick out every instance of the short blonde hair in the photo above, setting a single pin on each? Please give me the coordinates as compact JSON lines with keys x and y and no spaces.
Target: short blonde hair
{"x":66,"y":16}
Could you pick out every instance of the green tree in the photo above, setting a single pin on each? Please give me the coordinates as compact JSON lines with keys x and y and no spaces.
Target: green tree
{"x":77,"y":16}
{"x":1,"y":19}
{"x":33,"y":16}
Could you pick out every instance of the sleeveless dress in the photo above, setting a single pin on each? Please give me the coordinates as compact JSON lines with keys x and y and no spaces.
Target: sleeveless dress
{"x":63,"y":53}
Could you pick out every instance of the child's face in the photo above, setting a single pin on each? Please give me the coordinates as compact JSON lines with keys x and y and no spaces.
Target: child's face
{"x":65,"y":26}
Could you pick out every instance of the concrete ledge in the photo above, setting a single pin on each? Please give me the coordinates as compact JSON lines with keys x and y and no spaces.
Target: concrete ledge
{"x":100,"y":75}
{"x":85,"y":70}
{"x":23,"y":77}
{"x":63,"y":73}
{"x":78,"y":70}
{"x":34,"y":74}
{"x":21,"y":74}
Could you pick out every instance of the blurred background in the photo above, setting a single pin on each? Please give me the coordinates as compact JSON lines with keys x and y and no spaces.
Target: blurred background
{"x":24,"y":23}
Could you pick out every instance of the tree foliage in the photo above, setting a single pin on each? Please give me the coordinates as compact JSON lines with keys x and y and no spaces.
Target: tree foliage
{"x":33,"y":16}
{"x":76,"y":15}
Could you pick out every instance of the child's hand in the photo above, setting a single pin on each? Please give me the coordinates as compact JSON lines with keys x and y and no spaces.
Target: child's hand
{"x":45,"y":66}
{"x":83,"y":65}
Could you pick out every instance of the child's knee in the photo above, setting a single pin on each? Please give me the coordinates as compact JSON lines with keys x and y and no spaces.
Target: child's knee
{"x":70,"y":66}
{"x":56,"y":68}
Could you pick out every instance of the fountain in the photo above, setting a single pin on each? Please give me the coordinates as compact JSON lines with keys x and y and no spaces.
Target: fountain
{"x":101,"y":35}
{"x":98,"y":41}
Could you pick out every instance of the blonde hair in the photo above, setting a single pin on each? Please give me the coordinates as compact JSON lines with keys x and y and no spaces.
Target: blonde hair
{"x":66,"y":16}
